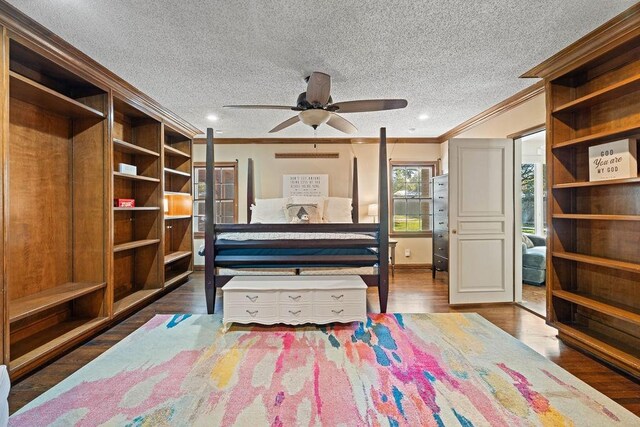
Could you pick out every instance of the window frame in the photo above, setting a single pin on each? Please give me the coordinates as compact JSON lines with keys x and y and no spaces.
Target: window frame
{"x":420,"y":164}
{"x":200,"y":165}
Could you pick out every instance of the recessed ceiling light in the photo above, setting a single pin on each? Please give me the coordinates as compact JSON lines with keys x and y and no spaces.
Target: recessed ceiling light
{"x":423,"y":117}
{"x":212,"y":118}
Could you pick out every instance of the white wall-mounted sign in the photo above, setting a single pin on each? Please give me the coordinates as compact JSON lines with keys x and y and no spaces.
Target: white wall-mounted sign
{"x":305,"y":185}
{"x":613,"y":160}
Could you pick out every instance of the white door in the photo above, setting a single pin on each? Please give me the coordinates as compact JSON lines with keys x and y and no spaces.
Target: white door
{"x":480,"y":220}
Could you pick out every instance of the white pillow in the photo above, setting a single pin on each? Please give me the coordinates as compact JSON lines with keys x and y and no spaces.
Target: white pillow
{"x":268,"y":211}
{"x":338,"y":209}
{"x":309,"y":200}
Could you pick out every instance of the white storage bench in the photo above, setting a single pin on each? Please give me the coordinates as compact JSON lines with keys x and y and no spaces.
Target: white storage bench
{"x":294,"y":300}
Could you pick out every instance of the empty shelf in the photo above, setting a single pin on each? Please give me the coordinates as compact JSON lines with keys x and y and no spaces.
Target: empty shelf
{"x":177,"y":278}
{"x":135,"y":177}
{"x":177,"y":172}
{"x":602,"y":305}
{"x":35,"y":303}
{"x":596,"y":183}
{"x":175,"y":256}
{"x":170,"y":151}
{"x":608,"y":93}
{"x":32,"y":92}
{"x":597,"y":217}
{"x":127,"y":147}
{"x":132,"y":299}
{"x":602,"y":262}
{"x":135,"y":244}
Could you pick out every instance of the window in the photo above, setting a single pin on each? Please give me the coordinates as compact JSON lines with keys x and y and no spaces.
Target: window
{"x":411,"y":197}
{"x":534,"y":198}
{"x":226,"y":183}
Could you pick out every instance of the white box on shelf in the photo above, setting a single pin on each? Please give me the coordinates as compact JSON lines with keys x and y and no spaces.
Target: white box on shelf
{"x":128,"y":169}
{"x":613,"y":160}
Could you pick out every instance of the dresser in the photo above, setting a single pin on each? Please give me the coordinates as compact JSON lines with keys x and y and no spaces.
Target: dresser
{"x":294,"y":300}
{"x":440,"y":188}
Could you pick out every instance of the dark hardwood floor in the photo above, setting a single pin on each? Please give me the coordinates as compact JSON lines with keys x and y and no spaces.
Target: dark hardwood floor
{"x":412,"y":291}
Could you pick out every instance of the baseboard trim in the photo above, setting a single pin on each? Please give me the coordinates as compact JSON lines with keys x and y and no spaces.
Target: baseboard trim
{"x":198,"y":268}
{"x":412,"y":266}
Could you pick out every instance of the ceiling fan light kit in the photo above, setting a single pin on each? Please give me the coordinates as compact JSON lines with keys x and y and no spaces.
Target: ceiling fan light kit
{"x":315,"y":117}
{"x":316,"y":106}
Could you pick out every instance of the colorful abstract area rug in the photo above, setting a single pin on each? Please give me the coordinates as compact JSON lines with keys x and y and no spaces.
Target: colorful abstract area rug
{"x":393,"y":370}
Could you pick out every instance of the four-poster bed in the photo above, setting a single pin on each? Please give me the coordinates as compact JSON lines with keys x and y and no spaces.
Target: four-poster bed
{"x":296,"y":246}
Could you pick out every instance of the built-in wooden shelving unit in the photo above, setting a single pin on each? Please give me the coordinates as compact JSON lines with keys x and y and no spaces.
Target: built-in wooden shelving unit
{"x":178,"y":219}
{"x":73,"y":263}
{"x":593,"y":273}
{"x":56,"y":237}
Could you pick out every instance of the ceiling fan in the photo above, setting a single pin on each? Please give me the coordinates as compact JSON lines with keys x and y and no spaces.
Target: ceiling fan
{"x":316,"y":107}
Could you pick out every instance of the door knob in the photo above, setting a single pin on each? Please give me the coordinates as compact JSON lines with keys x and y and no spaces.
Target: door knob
{"x":454,"y":231}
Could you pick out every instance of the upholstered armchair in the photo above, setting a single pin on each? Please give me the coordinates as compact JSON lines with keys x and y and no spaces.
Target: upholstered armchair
{"x":534,"y":260}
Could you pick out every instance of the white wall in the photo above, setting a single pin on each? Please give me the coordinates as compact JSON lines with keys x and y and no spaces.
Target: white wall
{"x":269,"y":171}
{"x":527,"y":115}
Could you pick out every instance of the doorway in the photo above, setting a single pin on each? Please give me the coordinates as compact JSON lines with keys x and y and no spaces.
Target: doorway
{"x":531,"y":233}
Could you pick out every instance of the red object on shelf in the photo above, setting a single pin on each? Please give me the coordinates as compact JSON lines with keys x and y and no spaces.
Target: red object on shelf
{"x":125,"y":203}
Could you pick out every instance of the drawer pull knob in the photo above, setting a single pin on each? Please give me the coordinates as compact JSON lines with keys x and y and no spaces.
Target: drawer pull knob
{"x":337,"y":311}
{"x":252,"y":313}
{"x":296,"y":298}
{"x":337,"y":297}
{"x":295,"y":313}
{"x":252,"y":298}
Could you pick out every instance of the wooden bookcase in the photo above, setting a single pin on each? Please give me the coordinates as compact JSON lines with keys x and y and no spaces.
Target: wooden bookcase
{"x":55,"y":223}
{"x":178,"y":205}
{"x":137,"y":231}
{"x":72,"y":263}
{"x":594,"y":256}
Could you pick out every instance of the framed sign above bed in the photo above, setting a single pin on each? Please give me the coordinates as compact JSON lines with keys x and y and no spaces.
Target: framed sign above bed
{"x":305,"y":185}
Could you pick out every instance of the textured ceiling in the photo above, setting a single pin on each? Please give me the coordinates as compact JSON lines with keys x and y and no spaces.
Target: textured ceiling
{"x":450,"y":59}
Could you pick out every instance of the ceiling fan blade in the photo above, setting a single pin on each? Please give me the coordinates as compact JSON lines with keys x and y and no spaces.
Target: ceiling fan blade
{"x":292,"y":121}
{"x":261,"y":107}
{"x":343,"y":125}
{"x":319,"y":88}
{"x":369,"y":105}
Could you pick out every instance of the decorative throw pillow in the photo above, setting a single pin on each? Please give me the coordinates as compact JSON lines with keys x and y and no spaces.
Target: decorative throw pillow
{"x":269,"y":211}
{"x":303,"y":213}
{"x":527,"y":241}
{"x":309,"y":200}
{"x":337,"y":210}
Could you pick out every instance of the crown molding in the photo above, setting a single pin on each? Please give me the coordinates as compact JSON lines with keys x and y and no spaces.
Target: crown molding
{"x":23,"y":29}
{"x":502,"y":107}
{"x":610,"y":35}
{"x":319,"y":140}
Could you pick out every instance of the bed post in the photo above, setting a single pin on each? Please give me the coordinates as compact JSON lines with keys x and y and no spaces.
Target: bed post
{"x":383,"y":232}
{"x":355,"y":201}
{"x":251,"y":195}
{"x":209,"y":227}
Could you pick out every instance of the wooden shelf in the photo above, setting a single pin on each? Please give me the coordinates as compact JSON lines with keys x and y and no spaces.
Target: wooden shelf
{"x":608,"y":93}
{"x":170,"y":151}
{"x":603,"y":346}
{"x":601,"y":305}
{"x":32,"y":92}
{"x":176,"y":193}
{"x":32,"y":304}
{"x":133,"y":299}
{"x":44,"y":342}
{"x":175,"y":279}
{"x":177,"y":172}
{"x":140,"y":208}
{"x":174,"y":217}
{"x":175,"y":256}
{"x":609,"y":135}
{"x":602,"y":262}
{"x":596,"y":183}
{"x":127,"y":147}
{"x":135,"y":244}
{"x":134,"y":177}
{"x":595,"y":217}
